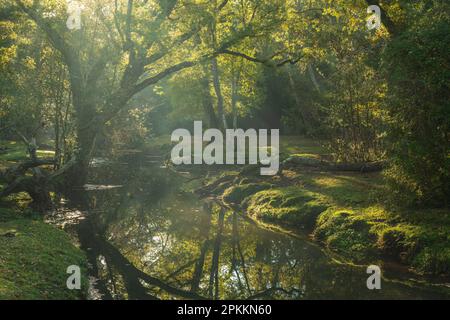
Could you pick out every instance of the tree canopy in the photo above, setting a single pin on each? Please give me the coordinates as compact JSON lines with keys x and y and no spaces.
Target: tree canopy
{"x":138,"y":69}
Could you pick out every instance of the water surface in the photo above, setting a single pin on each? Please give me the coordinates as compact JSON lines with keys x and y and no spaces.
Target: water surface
{"x":148,"y":236}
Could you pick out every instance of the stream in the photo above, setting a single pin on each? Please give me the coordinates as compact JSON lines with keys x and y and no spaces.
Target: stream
{"x":147,"y":236}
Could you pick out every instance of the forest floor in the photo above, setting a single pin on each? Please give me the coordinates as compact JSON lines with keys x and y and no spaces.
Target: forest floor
{"x":345,"y":211}
{"x":34,"y":255}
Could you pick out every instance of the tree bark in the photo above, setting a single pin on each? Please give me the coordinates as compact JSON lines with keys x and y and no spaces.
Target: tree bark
{"x":218,"y":90}
{"x":37,"y":185}
{"x":235,"y":77}
{"x":78,"y":172}
{"x":207,"y":102}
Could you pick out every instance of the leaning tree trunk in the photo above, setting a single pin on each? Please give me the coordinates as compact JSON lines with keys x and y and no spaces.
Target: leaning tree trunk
{"x":37,"y":185}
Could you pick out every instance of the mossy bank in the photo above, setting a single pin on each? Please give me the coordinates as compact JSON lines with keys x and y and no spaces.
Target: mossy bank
{"x":345,"y":212}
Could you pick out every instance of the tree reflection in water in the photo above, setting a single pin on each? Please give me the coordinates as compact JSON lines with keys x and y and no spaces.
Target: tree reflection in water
{"x":150,"y":239}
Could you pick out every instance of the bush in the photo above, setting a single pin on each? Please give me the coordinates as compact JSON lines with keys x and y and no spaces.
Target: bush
{"x":419,"y":110}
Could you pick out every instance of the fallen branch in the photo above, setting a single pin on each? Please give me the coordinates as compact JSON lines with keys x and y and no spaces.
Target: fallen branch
{"x":328,"y":166}
{"x":11,"y":173}
{"x":358,"y":167}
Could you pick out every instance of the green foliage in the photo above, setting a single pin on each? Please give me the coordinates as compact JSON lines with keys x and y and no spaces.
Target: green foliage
{"x":419,"y":107}
{"x":353,"y":117}
{"x":364,"y":95}
{"x":393,"y":241}
{"x":186,"y":93}
{"x":435,"y":260}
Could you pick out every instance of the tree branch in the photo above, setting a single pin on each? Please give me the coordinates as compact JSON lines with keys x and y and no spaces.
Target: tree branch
{"x":68,"y":52}
{"x":152,"y":80}
{"x":266,"y":61}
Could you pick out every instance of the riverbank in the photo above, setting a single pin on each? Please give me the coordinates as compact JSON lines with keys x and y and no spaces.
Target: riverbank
{"x":34,"y":255}
{"x":344,"y":211}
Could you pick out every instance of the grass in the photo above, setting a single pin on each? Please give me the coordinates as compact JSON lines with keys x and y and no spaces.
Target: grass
{"x":34,"y":257}
{"x":300,"y":145}
{"x":13,"y":152}
{"x":16,"y":151}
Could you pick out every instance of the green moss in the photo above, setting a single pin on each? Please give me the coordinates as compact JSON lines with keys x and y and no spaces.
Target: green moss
{"x":398,"y":242}
{"x":347,"y":212}
{"x":290,"y":206}
{"x":346,"y":232}
{"x":34,"y":257}
{"x":218,"y":184}
{"x":432,"y":247}
{"x":7,"y":215}
{"x":370,"y":232}
{"x":237,"y":194}
{"x":224,"y":176}
{"x":425,"y":244}
{"x":344,"y":190}
{"x":434,"y":259}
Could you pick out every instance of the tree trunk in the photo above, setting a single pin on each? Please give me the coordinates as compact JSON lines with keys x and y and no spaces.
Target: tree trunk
{"x":207,"y":102}
{"x":234,"y":95}
{"x":218,"y":90}
{"x":214,"y":274}
{"x":37,"y":185}
{"x":77,"y":174}
{"x":303,"y":113}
